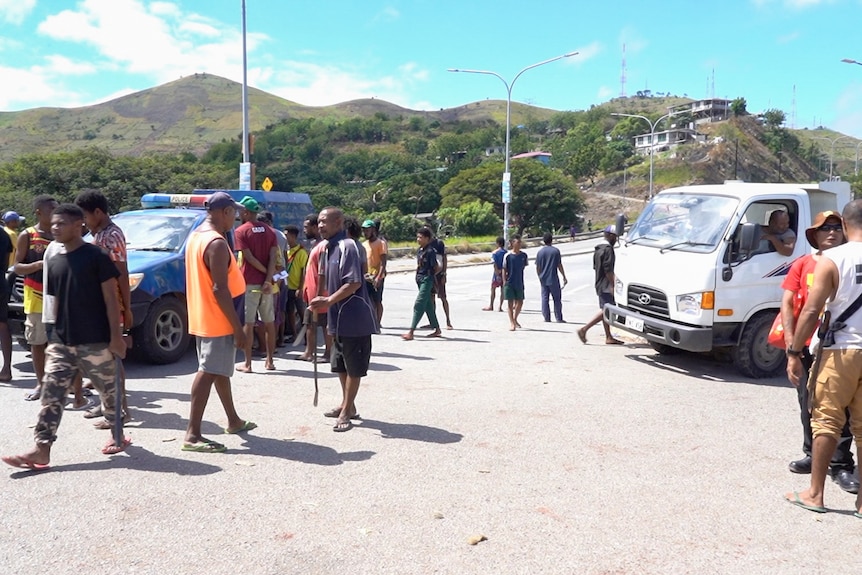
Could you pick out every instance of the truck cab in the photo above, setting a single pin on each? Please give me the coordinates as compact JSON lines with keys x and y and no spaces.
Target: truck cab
{"x":694,"y":272}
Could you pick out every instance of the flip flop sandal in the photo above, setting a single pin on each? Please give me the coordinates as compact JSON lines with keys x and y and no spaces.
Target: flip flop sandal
{"x":336,"y":412}
{"x":112,"y":449}
{"x":93,"y":413}
{"x":246,"y":426}
{"x":33,"y":395}
{"x":22,"y":462}
{"x":342,"y":426}
{"x":204,"y":447}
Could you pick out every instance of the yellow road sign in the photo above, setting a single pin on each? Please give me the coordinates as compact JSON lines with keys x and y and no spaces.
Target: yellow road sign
{"x":266,"y":185}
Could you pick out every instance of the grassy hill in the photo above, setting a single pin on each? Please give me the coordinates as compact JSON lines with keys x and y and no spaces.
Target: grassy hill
{"x":194,"y":112}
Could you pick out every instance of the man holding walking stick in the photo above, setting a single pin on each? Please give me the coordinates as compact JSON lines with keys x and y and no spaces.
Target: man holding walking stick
{"x":351,"y":317}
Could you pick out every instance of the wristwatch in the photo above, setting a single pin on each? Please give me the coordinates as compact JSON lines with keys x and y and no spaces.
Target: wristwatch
{"x":794,"y":352}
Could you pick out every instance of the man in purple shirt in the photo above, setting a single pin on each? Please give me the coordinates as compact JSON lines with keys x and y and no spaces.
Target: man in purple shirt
{"x":352,"y":317}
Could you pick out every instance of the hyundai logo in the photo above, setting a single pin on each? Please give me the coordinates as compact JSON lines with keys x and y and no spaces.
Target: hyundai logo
{"x":644,"y":299}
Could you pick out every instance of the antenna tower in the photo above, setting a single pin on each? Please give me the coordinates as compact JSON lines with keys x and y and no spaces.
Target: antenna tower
{"x":623,"y":75}
{"x":793,"y":110}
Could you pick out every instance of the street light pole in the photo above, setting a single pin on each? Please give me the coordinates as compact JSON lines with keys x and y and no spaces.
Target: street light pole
{"x":831,"y":149}
{"x":849,"y":61}
{"x":245,"y":143}
{"x":652,"y":127}
{"x":856,"y":170}
{"x":509,"y":86}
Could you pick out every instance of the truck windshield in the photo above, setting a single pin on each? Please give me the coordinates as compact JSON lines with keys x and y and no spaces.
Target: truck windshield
{"x":146,"y":231}
{"x":684,"y":222}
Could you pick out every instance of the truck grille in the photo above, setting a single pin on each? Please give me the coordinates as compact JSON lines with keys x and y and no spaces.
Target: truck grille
{"x":648,"y":301}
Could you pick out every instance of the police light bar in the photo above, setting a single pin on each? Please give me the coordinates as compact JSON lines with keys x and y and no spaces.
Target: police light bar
{"x":173,"y":201}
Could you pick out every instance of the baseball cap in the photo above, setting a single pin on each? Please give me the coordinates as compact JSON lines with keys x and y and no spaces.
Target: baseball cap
{"x":250,"y":204}
{"x":221,"y":200}
{"x":819,"y":220}
{"x":369,"y":224}
{"x":10,"y":216}
{"x":610,"y":230}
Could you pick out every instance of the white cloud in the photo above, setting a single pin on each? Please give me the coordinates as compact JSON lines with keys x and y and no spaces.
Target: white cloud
{"x":794,"y":4}
{"x":586,"y":53}
{"x":605,"y":93}
{"x":788,"y":38}
{"x":14,"y":11}
{"x":61,"y":65}
{"x":324,"y":85}
{"x":848,"y":111}
{"x":32,"y":87}
{"x":633,"y":42}
{"x":388,"y":14}
{"x":163,"y":43}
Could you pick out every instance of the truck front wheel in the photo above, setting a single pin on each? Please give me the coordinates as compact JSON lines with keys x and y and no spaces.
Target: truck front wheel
{"x":163,"y":337}
{"x":753,"y":356}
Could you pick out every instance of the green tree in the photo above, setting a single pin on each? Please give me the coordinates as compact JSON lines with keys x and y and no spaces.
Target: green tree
{"x":477,"y":218}
{"x":738,"y":107}
{"x":773,"y":118}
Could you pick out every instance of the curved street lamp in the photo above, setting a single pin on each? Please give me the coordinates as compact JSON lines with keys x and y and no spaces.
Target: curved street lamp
{"x":652,"y":127}
{"x":831,"y":149}
{"x":849,"y":61}
{"x":509,"y":86}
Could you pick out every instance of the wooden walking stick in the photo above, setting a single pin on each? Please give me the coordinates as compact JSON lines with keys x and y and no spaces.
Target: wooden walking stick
{"x":321,"y":280}
{"x":119,"y":392}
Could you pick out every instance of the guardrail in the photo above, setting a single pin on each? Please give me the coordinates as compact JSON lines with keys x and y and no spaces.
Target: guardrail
{"x":532,"y":242}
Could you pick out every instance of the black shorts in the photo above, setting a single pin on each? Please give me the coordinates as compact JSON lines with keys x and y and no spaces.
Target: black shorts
{"x":4,"y":306}
{"x":376,"y":295}
{"x":440,"y":285}
{"x":351,"y":355}
{"x":604,"y":298}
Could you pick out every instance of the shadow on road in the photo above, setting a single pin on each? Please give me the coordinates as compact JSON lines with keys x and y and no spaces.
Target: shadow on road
{"x":301,"y":451}
{"x":703,"y":367}
{"x":412,"y":431}
{"x":136,"y":459}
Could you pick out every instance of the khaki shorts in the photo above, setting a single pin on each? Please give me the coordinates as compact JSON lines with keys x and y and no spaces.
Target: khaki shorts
{"x":216,"y":355}
{"x":34,"y":329}
{"x":258,"y":302}
{"x":838,"y":387}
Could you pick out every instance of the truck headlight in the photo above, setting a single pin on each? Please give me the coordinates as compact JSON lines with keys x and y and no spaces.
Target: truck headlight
{"x":135,"y":280}
{"x":618,"y":288}
{"x":694,"y":303}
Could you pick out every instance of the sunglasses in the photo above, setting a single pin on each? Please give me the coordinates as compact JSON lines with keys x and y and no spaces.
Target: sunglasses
{"x":830,"y":228}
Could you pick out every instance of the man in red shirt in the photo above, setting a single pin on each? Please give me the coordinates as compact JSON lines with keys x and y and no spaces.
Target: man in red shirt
{"x":825,"y":233}
{"x":258,"y":247}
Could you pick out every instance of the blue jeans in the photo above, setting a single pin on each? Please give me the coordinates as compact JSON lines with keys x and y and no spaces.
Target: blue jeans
{"x":555,"y":292}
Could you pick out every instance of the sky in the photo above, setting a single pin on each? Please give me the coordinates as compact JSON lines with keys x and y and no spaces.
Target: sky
{"x":783,"y":54}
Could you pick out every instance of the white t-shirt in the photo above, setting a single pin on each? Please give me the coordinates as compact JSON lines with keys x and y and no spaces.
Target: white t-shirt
{"x":53,"y":249}
{"x":848,"y":259}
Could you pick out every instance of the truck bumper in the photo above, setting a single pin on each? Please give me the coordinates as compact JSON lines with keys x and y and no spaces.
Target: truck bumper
{"x":681,"y":336}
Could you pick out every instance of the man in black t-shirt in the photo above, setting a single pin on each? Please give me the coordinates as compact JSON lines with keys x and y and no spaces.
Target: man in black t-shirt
{"x":86,"y":334}
{"x":440,"y":279}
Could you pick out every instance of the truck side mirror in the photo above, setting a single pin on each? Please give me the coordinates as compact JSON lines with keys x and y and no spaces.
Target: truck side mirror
{"x":749,"y":237}
{"x":620,"y":223}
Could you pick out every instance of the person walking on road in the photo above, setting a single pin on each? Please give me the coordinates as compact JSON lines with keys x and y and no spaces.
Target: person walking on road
{"x":497,"y":278}
{"x":514,"y":265}
{"x":377,"y":251}
{"x":86,"y":334}
{"x":440,"y":278}
{"x":32,"y":243}
{"x":837,"y":385}
{"x":213,"y":279}
{"x":6,"y":251}
{"x":426,"y":269}
{"x":604,"y":260}
{"x":258,"y":246}
{"x":825,"y":233}
{"x":549,"y":267}
{"x":352,"y":317}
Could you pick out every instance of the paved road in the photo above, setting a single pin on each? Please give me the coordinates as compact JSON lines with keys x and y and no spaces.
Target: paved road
{"x":568,"y":458}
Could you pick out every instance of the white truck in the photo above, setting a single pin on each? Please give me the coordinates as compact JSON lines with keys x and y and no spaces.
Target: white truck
{"x":693,"y":272}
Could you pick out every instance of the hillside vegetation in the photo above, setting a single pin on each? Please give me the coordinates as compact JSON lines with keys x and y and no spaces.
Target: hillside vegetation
{"x":372,"y":157}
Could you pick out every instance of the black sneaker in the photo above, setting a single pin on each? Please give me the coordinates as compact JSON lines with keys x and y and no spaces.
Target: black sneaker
{"x":846,"y":480}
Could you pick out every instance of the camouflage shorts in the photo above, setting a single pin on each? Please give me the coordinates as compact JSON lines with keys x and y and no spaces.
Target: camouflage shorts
{"x":62,"y":362}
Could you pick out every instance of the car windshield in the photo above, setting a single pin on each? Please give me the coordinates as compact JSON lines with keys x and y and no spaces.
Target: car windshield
{"x":148,"y":231}
{"x":687,"y":222}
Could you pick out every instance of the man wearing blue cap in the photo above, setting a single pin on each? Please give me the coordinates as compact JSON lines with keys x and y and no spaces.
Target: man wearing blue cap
{"x":11,"y":222}
{"x":604,"y":260}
